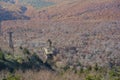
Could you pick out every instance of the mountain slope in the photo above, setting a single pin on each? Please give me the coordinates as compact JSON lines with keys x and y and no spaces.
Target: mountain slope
{"x":85,"y":10}
{"x":90,"y":26}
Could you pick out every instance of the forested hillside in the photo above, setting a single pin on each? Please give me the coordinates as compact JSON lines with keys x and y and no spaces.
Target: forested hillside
{"x":60,"y":40}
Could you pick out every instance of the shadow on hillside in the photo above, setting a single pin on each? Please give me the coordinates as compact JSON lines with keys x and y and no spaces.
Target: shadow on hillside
{"x":23,"y":9}
{"x":33,"y":63}
{"x":11,"y":15}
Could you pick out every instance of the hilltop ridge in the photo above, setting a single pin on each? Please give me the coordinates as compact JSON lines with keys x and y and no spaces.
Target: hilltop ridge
{"x":85,"y":10}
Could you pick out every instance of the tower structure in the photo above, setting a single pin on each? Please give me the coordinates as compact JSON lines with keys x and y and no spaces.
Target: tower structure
{"x":0,"y":28}
{"x":11,"y":45}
